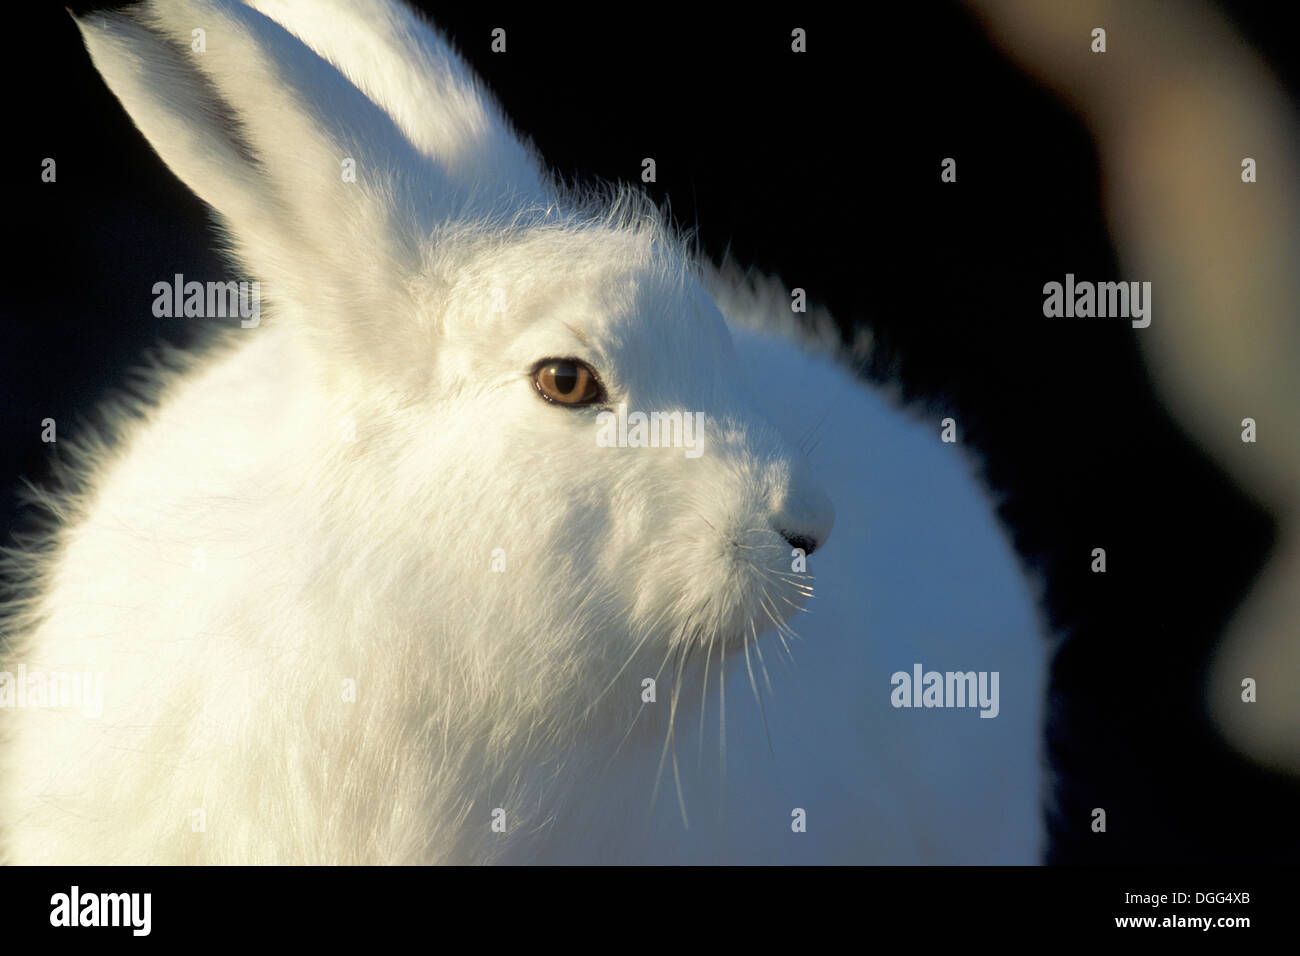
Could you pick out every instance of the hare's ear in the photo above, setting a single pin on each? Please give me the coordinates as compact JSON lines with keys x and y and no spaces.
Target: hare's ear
{"x":405,"y":67}
{"x":321,"y":194}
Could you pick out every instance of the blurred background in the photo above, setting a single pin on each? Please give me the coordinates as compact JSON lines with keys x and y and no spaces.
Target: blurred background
{"x":824,"y":168}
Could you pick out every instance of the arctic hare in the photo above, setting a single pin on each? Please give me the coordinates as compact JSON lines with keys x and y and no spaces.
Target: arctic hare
{"x":365,"y":585}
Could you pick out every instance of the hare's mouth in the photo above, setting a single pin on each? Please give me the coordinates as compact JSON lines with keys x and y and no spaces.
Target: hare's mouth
{"x":771,"y":616}
{"x":749,"y":630}
{"x":777,"y":599}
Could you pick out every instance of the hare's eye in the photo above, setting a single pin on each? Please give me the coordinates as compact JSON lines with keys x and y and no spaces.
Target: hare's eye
{"x":567,"y":382}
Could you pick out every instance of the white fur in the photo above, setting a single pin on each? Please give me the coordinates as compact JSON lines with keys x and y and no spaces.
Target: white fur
{"x":327,"y":560}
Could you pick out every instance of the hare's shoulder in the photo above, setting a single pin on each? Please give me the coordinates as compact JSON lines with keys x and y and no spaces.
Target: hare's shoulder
{"x":179,"y":472}
{"x":214,"y":422}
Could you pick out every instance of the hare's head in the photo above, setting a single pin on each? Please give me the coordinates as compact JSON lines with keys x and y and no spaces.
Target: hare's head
{"x":558,"y":459}
{"x":618,"y":457}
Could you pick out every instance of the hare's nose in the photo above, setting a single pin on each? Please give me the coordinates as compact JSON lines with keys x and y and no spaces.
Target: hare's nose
{"x":806,"y":518}
{"x":804,"y":543}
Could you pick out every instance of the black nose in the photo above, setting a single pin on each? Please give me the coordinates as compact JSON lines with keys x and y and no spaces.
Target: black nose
{"x":801,"y":541}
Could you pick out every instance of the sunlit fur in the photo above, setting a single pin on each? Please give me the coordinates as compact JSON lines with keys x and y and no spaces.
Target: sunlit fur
{"x":234,"y":557}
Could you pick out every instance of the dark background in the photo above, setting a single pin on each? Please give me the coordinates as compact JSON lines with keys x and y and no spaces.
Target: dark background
{"x":824,"y":169}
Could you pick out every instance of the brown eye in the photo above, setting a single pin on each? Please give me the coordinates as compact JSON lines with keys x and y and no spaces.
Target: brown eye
{"x":567,"y":382}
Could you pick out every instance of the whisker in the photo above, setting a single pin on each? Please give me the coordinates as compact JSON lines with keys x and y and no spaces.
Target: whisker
{"x":704,"y":693}
{"x":758,"y":698}
{"x":758,"y":652}
{"x":637,"y":716}
{"x":722,"y":724}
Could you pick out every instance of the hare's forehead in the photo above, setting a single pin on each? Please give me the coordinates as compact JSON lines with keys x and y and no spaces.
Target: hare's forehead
{"x":606,"y":286}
